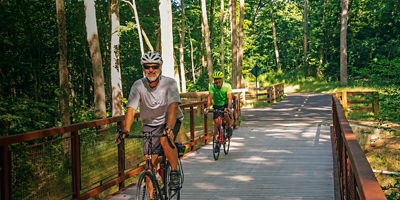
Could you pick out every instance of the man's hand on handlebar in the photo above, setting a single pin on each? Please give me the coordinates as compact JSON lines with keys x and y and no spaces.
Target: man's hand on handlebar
{"x":229,"y":111}
{"x":120,"y":135}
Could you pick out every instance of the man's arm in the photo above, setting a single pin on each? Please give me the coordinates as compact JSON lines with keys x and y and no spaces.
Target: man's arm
{"x":172,"y":112}
{"x":229,"y":95}
{"x":210,"y":99}
{"x":129,"y":119}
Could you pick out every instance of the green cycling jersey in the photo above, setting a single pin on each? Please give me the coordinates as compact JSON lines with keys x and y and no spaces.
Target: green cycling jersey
{"x":220,"y":95}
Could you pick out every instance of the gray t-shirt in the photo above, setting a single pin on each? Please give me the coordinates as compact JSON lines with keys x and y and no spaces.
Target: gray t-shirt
{"x":154,"y":101}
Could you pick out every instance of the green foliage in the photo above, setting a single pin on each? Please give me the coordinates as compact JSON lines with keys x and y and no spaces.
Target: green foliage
{"x":393,"y":191}
{"x":389,"y":105}
{"x":201,"y":83}
{"x":382,"y":71}
{"x":21,"y":115}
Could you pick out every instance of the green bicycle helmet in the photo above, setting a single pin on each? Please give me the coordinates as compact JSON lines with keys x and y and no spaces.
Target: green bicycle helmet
{"x":218,"y":74}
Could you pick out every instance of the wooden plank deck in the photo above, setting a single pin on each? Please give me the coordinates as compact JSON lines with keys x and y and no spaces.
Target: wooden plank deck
{"x":280,"y":152}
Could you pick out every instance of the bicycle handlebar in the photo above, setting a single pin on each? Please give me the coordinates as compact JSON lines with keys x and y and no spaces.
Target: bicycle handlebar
{"x":144,"y":135}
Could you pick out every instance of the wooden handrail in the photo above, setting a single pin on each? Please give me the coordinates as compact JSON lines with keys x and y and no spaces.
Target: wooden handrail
{"x":267,"y":94}
{"x":6,"y":159}
{"x":342,"y":96}
{"x":356,"y":179}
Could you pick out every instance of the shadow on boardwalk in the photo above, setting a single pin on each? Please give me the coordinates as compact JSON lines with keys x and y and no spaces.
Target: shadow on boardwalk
{"x":280,"y":152}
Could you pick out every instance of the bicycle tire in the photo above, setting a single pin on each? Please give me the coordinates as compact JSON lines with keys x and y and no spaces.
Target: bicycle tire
{"x":142,"y":192}
{"x":172,"y":194}
{"x":216,"y":144}
{"x":227,"y":143}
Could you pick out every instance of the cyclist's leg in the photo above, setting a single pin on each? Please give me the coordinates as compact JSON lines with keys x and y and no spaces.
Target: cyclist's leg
{"x":156,"y":145}
{"x":216,"y":115}
{"x":171,"y":153}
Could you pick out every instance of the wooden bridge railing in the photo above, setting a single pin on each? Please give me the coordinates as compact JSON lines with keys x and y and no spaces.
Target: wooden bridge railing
{"x":372,"y":100}
{"x":116,"y":178}
{"x":356,"y":179}
{"x":268,"y":94}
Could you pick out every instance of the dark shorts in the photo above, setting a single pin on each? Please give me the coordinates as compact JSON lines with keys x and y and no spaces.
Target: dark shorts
{"x":221,"y":108}
{"x":158,"y":130}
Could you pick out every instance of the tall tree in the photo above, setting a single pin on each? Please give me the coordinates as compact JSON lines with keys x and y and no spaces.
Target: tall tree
{"x":132,"y":6}
{"x":343,"y":43}
{"x":212,"y":11}
{"x":207,"y":40}
{"x":271,"y":10}
{"x":241,"y":46}
{"x":305,"y":35}
{"x":322,"y":46}
{"x":235,"y":77}
{"x":167,"y":40}
{"x":181,"y":49}
{"x":63,"y":72}
{"x":222,"y":33}
{"x":191,"y":57}
{"x":116,"y":83}
{"x":95,"y":54}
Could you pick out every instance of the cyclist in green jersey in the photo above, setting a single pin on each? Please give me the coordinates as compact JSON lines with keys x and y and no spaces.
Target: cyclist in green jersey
{"x":220,"y":95}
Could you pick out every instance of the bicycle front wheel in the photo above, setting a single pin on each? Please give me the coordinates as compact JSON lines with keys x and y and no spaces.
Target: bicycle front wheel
{"x":216,"y":144}
{"x":172,"y":193}
{"x":147,"y":187}
{"x":227,"y":143}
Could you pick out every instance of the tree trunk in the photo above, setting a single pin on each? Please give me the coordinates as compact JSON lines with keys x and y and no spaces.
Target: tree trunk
{"x":116,"y":83}
{"x":203,"y":58}
{"x":240,"y":83}
{"x":191,"y":58}
{"x":207,"y":40}
{"x":132,"y":7}
{"x":222,"y":31}
{"x":63,"y":73}
{"x":305,"y":36}
{"x":176,"y":74}
{"x":181,"y":58}
{"x":138,"y":27}
{"x":235,"y":77}
{"x":253,"y":21}
{"x":343,"y":43}
{"x":271,"y":10}
{"x":95,"y":54}
{"x":167,"y":45}
{"x":212,"y":11}
{"x":321,"y":47}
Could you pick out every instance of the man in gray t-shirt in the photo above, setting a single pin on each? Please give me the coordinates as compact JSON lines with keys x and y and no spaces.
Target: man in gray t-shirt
{"x":158,"y":98}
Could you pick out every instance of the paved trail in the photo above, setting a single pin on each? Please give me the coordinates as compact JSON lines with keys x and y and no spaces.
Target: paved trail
{"x":279,"y":152}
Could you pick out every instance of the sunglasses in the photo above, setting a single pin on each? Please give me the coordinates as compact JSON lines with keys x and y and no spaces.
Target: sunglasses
{"x":148,"y":66}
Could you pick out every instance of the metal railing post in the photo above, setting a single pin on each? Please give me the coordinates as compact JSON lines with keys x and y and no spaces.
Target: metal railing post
{"x":76,"y":165}
{"x":375,"y":104}
{"x":206,"y":128}
{"x":5,"y":173}
{"x":121,"y":159}
{"x":191,"y":127}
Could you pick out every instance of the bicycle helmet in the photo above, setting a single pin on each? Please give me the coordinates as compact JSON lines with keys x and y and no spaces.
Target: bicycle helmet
{"x":218,"y":74}
{"x":151,"y":57}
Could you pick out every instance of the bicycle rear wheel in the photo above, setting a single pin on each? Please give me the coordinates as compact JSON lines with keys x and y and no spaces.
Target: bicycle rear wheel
{"x":227,"y":143}
{"x":216,"y":144}
{"x":142,"y":191}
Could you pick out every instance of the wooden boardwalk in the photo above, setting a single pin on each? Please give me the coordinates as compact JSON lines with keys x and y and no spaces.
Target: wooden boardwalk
{"x":280,"y":152}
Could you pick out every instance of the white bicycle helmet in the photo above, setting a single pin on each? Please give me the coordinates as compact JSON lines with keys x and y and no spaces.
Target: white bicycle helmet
{"x":151,"y":57}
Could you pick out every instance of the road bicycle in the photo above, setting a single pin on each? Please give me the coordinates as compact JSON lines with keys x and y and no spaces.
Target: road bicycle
{"x":148,"y":181}
{"x":220,"y":136}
